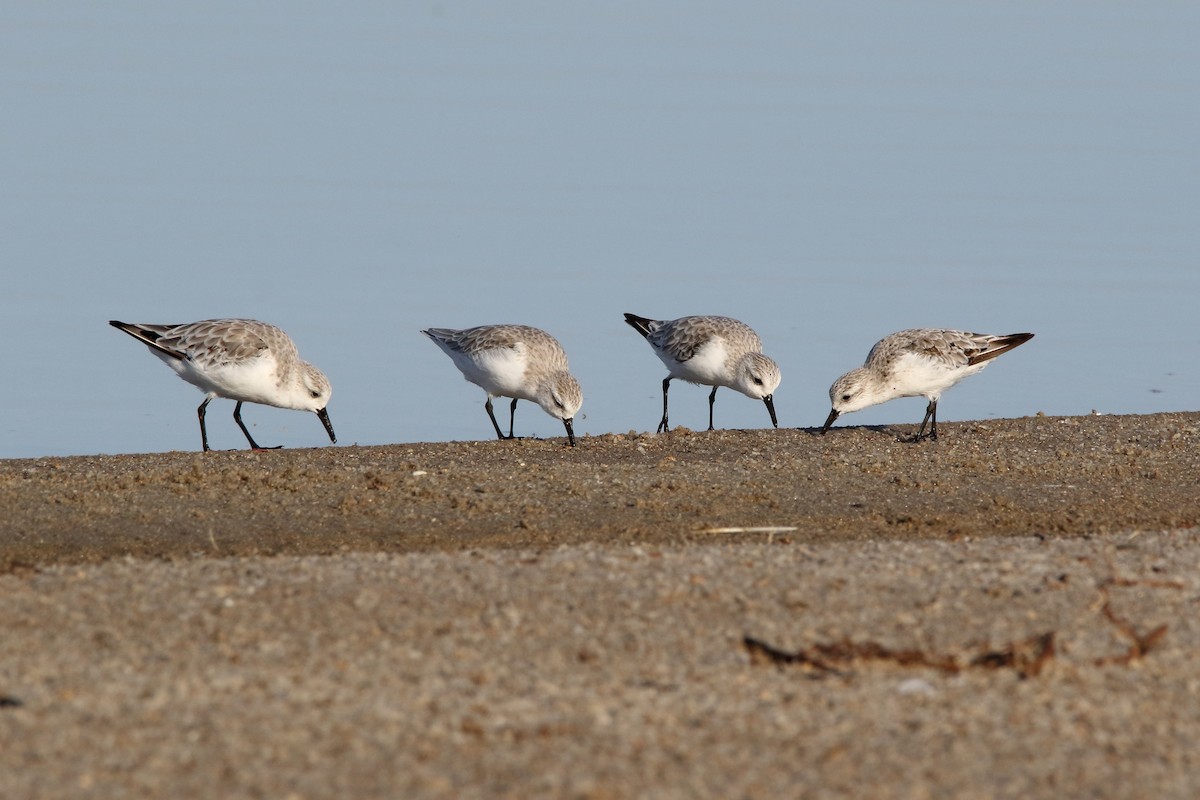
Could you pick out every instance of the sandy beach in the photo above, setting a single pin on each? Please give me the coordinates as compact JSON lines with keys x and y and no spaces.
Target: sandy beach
{"x":1008,"y":612}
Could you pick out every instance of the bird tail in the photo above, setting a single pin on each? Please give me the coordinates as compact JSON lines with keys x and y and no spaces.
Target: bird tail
{"x":642,"y":325}
{"x":999,"y":346}
{"x":444,"y":337}
{"x":148,"y":335}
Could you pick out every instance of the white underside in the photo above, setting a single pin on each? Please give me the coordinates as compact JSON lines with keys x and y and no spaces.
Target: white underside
{"x":915,"y":375}
{"x":499,"y":372}
{"x":706,"y":367}
{"x":251,"y":382}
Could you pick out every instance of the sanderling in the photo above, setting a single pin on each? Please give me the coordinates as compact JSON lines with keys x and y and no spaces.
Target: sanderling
{"x":922,"y":361}
{"x":711,"y":351}
{"x":515,"y":361}
{"x":238,"y":359}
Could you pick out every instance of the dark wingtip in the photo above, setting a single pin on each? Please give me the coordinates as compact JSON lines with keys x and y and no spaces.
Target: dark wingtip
{"x":639,"y":324}
{"x":1003,"y":345}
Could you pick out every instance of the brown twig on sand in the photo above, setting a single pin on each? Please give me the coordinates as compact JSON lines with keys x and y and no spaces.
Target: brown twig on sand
{"x":1027,"y":656}
{"x":1139,"y":644}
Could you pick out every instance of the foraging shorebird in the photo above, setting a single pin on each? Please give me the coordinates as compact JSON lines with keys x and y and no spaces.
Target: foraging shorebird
{"x":238,"y":359}
{"x":711,"y":351}
{"x":920,"y":361}
{"x":515,"y":361}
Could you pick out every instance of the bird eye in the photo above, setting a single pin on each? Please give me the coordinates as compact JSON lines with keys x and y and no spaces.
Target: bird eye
{"x":757,"y":380}
{"x":316,"y":394}
{"x":845,"y":397}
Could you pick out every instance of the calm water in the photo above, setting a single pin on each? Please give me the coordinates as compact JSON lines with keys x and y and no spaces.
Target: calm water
{"x":355,"y":172}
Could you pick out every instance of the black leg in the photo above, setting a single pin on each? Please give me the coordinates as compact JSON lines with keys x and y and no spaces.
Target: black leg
{"x":512,"y":415}
{"x":492,"y":417}
{"x":237,"y":417}
{"x":930,"y":415}
{"x":662,"y":426}
{"x":712,"y":397}
{"x":203,"y":432}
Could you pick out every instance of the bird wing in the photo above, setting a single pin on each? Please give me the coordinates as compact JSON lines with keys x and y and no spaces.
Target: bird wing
{"x":223,"y":342}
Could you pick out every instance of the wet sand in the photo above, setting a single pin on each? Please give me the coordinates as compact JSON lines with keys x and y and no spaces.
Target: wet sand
{"x":1010,"y":611}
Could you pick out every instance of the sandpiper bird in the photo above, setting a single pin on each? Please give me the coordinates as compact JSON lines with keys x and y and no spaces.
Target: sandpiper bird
{"x":711,"y":351}
{"x":921,"y":361}
{"x":238,"y":359}
{"x":515,"y":361}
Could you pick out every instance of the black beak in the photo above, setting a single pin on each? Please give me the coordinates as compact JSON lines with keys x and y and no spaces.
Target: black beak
{"x":567,"y":423}
{"x":770,"y":402}
{"x":328,"y":425}
{"x":833,"y":414}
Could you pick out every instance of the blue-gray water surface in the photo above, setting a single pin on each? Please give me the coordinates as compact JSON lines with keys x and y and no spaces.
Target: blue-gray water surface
{"x":354,"y":172}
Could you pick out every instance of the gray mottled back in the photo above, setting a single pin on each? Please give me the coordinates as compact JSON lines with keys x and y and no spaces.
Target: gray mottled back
{"x":541,"y":346}
{"x":681,"y":338}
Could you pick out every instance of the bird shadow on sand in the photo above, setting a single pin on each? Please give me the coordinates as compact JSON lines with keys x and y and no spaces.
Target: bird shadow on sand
{"x":888,"y":429}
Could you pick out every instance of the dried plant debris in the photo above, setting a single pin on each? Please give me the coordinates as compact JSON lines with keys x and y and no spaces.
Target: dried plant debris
{"x":1027,"y":656}
{"x":1139,"y":644}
